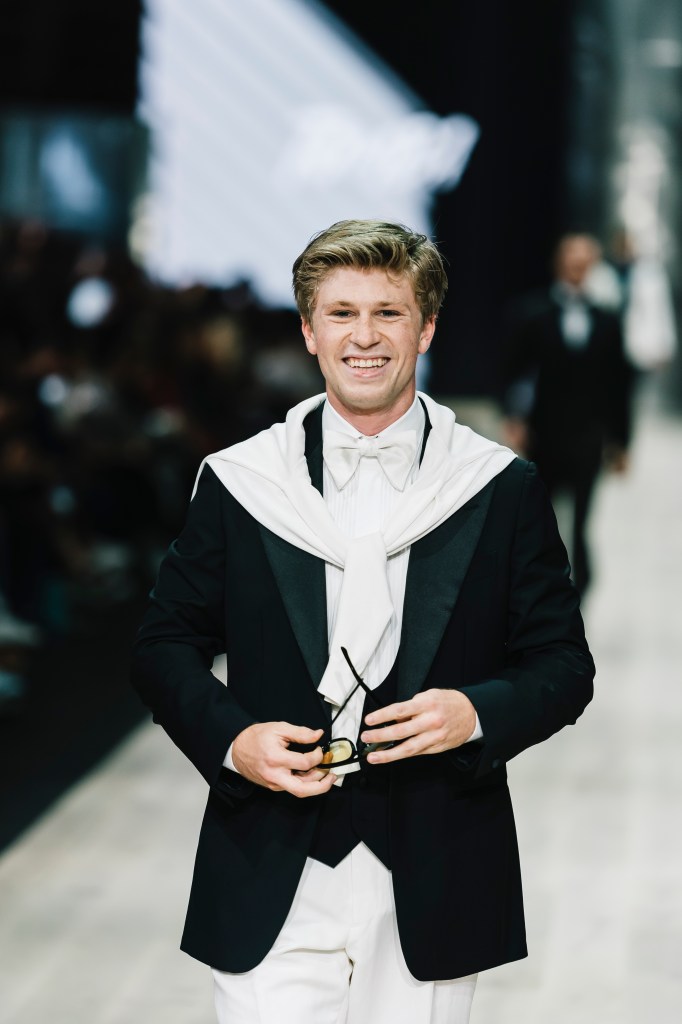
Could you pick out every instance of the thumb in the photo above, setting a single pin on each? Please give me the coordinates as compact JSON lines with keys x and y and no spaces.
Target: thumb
{"x":300,"y":733}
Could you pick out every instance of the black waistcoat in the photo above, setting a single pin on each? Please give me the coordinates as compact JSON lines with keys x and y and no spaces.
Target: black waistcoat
{"x":357,"y":811}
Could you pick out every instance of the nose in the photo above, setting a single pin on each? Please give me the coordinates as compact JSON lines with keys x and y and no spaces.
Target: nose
{"x":365,"y":333}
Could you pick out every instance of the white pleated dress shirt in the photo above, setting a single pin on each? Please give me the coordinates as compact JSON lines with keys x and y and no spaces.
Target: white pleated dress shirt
{"x":575,"y":320}
{"x":363,"y":506}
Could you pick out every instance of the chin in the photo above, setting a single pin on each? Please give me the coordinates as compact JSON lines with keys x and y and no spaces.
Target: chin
{"x":364,"y":402}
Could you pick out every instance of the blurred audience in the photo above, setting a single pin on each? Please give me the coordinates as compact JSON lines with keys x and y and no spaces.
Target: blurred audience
{"x":112,"y":390}
{"x":567,"y":388}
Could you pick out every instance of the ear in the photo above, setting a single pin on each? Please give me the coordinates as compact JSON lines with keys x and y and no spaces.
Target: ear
{"x":427,"y":332}
{"x":309,"y":336}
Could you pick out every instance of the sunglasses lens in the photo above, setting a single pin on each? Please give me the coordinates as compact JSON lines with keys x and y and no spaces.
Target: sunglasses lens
{"x":338,"y":752}
{"x":369,"y":748}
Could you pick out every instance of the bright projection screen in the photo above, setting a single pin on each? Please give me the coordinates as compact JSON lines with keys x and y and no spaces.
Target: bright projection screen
{"x":268,"y":121}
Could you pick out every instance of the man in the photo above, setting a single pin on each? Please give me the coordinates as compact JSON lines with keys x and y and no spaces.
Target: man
{"x":568,"y":390}
{"x":369,"y":536}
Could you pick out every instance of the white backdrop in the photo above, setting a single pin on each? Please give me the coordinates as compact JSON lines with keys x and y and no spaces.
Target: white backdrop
{"x":269,"y":121}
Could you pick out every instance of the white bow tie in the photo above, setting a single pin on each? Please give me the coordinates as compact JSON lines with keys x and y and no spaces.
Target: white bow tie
{"x":395,"y":454}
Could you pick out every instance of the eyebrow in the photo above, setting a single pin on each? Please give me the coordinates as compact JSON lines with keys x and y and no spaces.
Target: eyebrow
{"x":344,"y":302}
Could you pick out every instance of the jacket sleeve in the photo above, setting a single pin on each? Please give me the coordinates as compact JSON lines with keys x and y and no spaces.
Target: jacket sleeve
{"x":616,"y":387}
{"x":182,"y":631}
{"x":547,"y":680}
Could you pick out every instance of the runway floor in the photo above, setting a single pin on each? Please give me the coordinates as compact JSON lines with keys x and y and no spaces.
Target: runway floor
{"x":92,"y":897}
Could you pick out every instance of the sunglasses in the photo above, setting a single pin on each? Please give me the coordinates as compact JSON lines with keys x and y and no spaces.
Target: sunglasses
{"x":341,"y":754}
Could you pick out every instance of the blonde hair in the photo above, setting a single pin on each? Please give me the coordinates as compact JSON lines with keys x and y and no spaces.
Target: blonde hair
{"x":368,"y":245}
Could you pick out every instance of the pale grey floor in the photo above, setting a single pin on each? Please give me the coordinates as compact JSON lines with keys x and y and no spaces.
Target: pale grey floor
{"x":92,"y":898}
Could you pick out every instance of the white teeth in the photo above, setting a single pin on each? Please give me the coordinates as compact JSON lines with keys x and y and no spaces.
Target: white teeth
{"x":366,"y":364}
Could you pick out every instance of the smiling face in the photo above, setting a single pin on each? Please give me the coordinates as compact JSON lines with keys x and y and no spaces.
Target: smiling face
{"x":366,"y":332}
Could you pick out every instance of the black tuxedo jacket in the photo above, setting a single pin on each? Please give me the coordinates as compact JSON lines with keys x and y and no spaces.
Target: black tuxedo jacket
{"x":581,"y":396}
{"x":489,"y":609}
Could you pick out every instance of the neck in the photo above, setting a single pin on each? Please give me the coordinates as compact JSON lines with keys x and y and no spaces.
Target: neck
{"x":373,"y":421}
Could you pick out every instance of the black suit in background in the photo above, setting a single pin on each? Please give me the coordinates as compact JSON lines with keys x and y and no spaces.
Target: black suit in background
{"x":489,"y":609}
{"x":576,"y":402}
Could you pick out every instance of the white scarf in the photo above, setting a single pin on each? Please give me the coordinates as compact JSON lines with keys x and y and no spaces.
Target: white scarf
{"x":268,"y":476}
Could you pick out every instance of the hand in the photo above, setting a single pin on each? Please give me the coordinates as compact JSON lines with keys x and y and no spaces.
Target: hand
{"x":261,"y":753}
{"x":429,"y":723}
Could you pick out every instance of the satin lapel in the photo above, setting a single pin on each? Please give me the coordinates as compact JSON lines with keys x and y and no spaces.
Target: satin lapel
{"x":436,"y":571}
{"x":300,"y":576}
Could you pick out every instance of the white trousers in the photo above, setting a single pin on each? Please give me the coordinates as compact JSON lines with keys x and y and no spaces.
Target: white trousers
{"x":338,"y":960}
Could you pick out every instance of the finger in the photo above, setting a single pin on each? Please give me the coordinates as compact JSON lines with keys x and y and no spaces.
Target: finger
{"x":295,"y":762}
{"x":314,"y":774}
{"x":416,"y":745}
{"x":298,"y":733}
{"x":304,"y":786}
{"x":426,"y":721}
{"x":282,"y":757}
{"x":392,"y":713}
{"x":393,"y":733}
{"x":315,"y":777}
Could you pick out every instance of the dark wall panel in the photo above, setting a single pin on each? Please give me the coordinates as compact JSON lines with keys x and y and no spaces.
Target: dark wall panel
{"x":70,"y":53}
{"x":506,"y":65}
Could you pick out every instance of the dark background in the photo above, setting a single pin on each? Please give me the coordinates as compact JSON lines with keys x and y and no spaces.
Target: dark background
{"x":541,"y":80}
{"x":506,"y":65}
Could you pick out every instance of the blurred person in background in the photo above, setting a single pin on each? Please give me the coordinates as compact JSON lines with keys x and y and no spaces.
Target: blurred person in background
{"x":568,"y":384}
{"x":357,"y":860}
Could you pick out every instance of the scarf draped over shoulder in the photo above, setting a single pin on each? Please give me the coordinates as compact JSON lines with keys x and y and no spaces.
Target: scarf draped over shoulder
{"x":268,"y":476}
